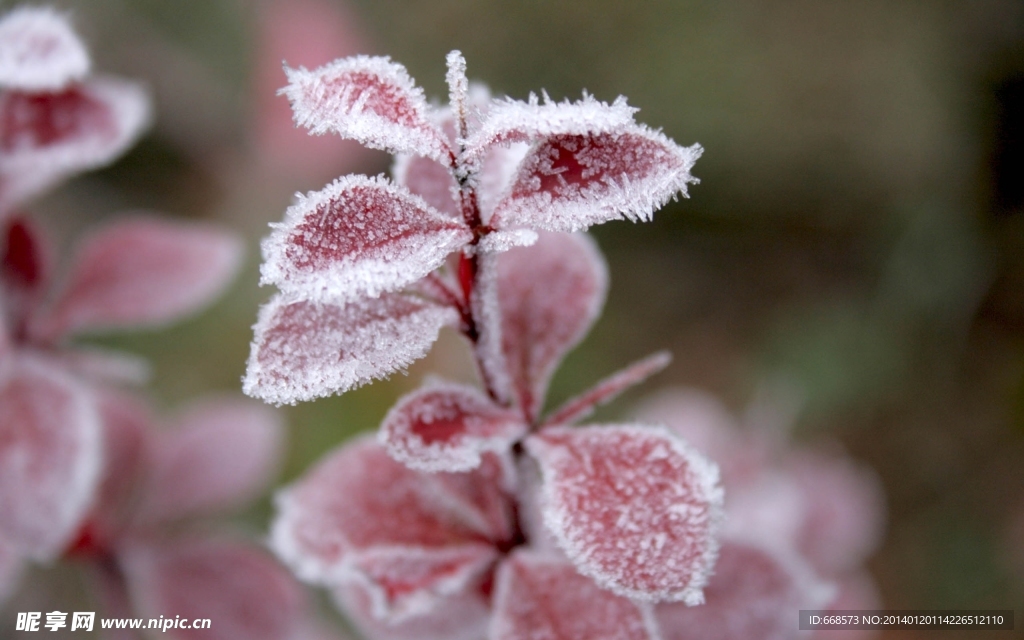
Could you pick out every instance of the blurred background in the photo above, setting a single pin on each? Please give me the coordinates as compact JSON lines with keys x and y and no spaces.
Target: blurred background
{"x":857,"y":237}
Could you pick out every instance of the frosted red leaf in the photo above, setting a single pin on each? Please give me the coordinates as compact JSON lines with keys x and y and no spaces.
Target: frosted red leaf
{"x":369,"y":99}
{"x":755,"y":592}
{"x":511,"y":121}
{"x":606,"y":390}
{"x":143,"y":272}
{"x":304,"y":350}
{"x":544,"y":598}
{"x":361,"y":517}
{"x":46,"y":137}
{"x":446,"y":427}
{"x":39,"y":51}
{"x":221,"y":453}
{"x":359,"y":236}
{"x":481,"y":497}
{"x":570,"y":182}
{"x":844,"y":510}
{"x":243,"y":592}
{"x":633,"y":507}
{"x":49,"y":456}
{"x":462,"y":616}
{"x":550,"y":294}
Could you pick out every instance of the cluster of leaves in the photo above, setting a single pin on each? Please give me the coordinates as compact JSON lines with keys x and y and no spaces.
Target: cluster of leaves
{"x":473,"y":514}
{"x":86,"y":471}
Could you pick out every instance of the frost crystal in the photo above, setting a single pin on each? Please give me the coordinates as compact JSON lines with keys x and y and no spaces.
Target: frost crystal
{"x":39,"y":51}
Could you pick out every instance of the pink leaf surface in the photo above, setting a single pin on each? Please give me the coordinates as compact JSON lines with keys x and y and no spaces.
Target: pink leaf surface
{"x":446,"y":427}
{"x":510,"y":121}
{"x":304,"y":350}
{"x":49,"y":456}
{"x":608,"y":389}
{"x":462,"y":616}
{"x":544,"y":598}
{"x":570,"y":182}
{"x":143,"y":272}
{"x":359,"y":236}
{"x":430,"y":180}
{"x":46,"y":137}
{"x":755,"y":592}
{"x":844,"y":510}
{"x":369,"y":99}
{"x":550,"y":294}
{"x":361,"y":517}
{"x":633,"y":507}
{"x":39,"y":51}
{"x":220,"y":455}
{"x":243,"y":592}
{"x":25,"y":265}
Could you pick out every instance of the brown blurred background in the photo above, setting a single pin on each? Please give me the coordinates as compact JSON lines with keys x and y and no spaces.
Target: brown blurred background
{"x":858,"y":234}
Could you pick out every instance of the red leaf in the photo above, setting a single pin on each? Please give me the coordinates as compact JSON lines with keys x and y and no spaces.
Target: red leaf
{"x":511,"y":121}
{"x":241,"y":590}
{"x":446,"y":427}
{"x":550,"y":294}
{"x":462,"y":616}
{"x":49,"y":456}
{"x":359,"y":516}
{"x":39,"y":51}
{"x":25,"y":263}
{"x":143,"y":272}
{"x":430,"y":180}
{"x":544,"y":598}
{"x":608,"y":389}
{"x":755,"y":592}
{"x":46,"y":137}
{"x":304,"y":350}
{"x":369,"y":99}
{"x":570,"y":182}
{"x":220,"y":456}
{"x":358,"y":237}
{"x":633,"y":507}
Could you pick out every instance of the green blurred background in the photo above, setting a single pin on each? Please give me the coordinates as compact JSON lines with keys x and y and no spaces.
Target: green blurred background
{"x":858,"y":234}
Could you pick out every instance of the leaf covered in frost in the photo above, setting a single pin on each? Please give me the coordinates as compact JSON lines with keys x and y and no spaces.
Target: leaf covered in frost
{"x":755,"y":592}
{"x":360,"y":516}
{"x":632,"y":506}
{"x":550,"y":293}
{"x":369,"y":99}
{"x":143,"y":271}
{"x":541,"y":597}
{"x":237,"y":586}
{"x":461,"y":616}
{"x":49,"y":456}
{"x":359,"y":236}
{"x":304,"y":350}
{"x":446,"y":427}
{"x":570,"y":182}
{"x":46,"y":137}
{"x":510,"y":121}
{"x":39,"y":51}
